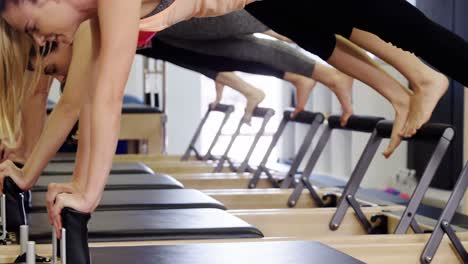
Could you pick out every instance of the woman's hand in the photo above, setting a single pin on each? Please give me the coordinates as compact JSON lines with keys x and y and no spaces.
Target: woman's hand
{"x":8,"y":153}
{"x":75,"y":200}
{"x":55,"y":189}
{"x":9,"y":169}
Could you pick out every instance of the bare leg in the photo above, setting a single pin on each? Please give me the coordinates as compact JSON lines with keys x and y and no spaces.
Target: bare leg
{"x":253,"y":95}
{"x":340,"y":84}
{"x":304,"y":87}
{"x":428,"y":85}
{"x":219,"y":94}
{"x":353,"y":62}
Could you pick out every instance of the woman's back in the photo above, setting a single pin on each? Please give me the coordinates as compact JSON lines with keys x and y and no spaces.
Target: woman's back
{"x":180,"y":10}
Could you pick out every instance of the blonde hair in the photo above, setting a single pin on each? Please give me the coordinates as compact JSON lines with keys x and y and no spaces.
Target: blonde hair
{"x":15,"y":83}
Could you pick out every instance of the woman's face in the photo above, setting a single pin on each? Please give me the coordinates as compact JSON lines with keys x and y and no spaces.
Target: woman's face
{"x":57,"y":60}
{"x":45,"y":20}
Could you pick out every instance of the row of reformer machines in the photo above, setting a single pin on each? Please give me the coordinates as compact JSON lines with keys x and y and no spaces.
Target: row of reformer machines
{"x":207,"y":209}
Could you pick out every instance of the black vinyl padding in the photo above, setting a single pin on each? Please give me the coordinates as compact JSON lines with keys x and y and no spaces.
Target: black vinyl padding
{"x":119,"y":182}
{"x":304,"y":117}
{"x":224,"y":108}
{"x":143,"y":200}
{"x":127,"y":109}
{"x":285,"y":252}
{"x":66,"y":168}
{"x":170,"y":224}
{"x":263,"y":112}
{"x":365,"y":124}
{"x":428,"y":132}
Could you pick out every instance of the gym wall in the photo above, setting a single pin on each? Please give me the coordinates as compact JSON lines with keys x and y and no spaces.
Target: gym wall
{"x":465,"y":140}
{"x":183,"y":107}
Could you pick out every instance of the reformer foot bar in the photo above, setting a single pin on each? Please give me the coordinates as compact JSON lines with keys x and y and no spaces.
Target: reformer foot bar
{"x":442,"y":134}
{"x":264,"y":113}
{"x":314,"y":120}
{"x":227,"y":110}
{"x":365,"y":124}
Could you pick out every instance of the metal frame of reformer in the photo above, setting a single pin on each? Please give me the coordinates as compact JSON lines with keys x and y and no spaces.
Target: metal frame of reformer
{"x":266,"y":114}
{"x":443,"y":224}
{"x":443,"y":134}
{"x":28,"y":248}
{"x":314,"y":120}
{"x":222,"y":108}
{"x":364,"y":124}
{"x":4,"y":234}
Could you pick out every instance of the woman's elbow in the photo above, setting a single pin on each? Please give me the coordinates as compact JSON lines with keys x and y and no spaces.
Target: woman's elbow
{"x":68,"y":108}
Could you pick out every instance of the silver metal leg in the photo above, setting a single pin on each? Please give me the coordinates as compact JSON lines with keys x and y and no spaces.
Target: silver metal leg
{"x":355,"y":181}
{"x":423,"y":185}
{"x":443,"y":225}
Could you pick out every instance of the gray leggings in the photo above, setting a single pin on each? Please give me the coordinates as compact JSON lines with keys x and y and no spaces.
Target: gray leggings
{"x":230,"y":36}
{"x":213,"y":28}
{"x":273,"y":53}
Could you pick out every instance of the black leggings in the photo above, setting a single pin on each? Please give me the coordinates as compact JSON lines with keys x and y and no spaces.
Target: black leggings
{"x":312,"y":25}
{"x":207,"y":65}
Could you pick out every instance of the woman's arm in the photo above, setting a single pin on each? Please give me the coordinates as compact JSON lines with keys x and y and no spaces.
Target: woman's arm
{"x":34,"y":116}
{"x":116,"y":54}
{"x":116,"y":50}
{"x":117,"y":32}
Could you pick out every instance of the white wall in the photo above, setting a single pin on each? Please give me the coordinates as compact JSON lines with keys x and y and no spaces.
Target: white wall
{"x":183,"y":107}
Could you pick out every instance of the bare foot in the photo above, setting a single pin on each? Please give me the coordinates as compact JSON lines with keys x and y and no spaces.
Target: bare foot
{"x":214,"y":104}
{"x":425,"y":99}
{"x":304,"y":87}
{"x":254,"y":98}
{"x":343,"y":89}
{"x":401,"y":114}
{"x":219,"y":94}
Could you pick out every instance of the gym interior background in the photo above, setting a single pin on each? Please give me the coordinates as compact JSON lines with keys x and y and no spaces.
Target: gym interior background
{"x":184,"y":97}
